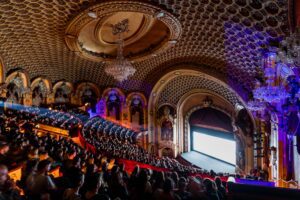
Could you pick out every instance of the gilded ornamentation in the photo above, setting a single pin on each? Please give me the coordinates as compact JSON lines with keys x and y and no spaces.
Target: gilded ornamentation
{"x":107,"y":11}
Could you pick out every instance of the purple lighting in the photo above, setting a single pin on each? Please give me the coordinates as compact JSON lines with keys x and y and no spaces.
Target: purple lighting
{"x":255,"y":182}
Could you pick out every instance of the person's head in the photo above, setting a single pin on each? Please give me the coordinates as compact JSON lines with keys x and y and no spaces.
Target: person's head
{"x":71,"y":154}
{"x":122,"y":167}
{"x":115,"y":169}
{"x":4,"y":147}
{"x":218,"y":181}
{"x":160,"y":177}
{"x":77,"y":162}
{"x":43,"y":155}
{"x":136,"y":170}
{"x":94,"y":182}
{"x":77,"y":178}
{"x":175,"y":177}
{"x":168,"y":185}
{"x":143,"y":177}
{"x":3,"y":174}
{"x":32,"y":165}
{"x":182,"y":183}
{"x":210,"y":185}
{"x":44,"y":166}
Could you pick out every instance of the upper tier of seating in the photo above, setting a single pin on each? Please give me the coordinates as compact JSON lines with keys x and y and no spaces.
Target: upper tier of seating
{"x":108,"y":128}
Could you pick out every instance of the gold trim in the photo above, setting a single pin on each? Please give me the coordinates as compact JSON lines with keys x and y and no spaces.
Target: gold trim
{"x":103,"y":10}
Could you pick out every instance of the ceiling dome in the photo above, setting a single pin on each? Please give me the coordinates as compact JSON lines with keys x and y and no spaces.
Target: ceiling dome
{"x":150,"y":31}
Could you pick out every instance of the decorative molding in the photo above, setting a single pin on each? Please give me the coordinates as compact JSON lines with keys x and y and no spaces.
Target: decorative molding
{"x":106,"y":9}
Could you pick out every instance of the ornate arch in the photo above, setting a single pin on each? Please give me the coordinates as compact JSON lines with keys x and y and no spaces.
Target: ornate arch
{"x":117,"y":90}
{"x":60,"y":83}
{"x":140,"y":95}
{"x":87,"y":92}
{"x":154,"y":100}
{"x":40,"y":88}
{"x":2,"y":71}
{"x":107,"y":98}
{"x":17,"y":87}
{"x":85,"y":85}
{"x":66,"y":88}
{"x":194,"y":83}
{"x":136,"y":102}
{"x":45,"y":81}
{"x":23,"y":76}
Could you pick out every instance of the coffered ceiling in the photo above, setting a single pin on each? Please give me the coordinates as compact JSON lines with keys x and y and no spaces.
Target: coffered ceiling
{"x":220,"y":37}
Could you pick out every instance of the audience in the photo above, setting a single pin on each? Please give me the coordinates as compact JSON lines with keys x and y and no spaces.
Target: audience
{"x":86,"y":175}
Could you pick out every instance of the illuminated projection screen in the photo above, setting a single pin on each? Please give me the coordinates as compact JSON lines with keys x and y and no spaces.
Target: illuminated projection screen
{"x":218,"y":147}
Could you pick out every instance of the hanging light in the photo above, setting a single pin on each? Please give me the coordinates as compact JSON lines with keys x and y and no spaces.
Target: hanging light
{"x":273,"y":90}
{"x":289,"y":52}
{"x":120,"y":68}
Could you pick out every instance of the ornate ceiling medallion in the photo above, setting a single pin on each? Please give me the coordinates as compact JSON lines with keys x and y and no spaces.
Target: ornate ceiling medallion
{"x":151,"y":31}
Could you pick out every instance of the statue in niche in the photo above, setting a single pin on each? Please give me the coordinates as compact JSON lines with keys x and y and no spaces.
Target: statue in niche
{"x":12,"y":93}
{"x":167,"y":124}
{"x":37,"y":96}
{"x":240,"y":154}
{"x":113,"y":107}
{"x":101,"y":107}
{"x":167,"y":130}
{"x":89,"y":96}
{"x":112,"y":113}
{"x":61,"y":96}
{"x":136,"y":112}
{"x":244,"y":122}
{"x":167,"y":152}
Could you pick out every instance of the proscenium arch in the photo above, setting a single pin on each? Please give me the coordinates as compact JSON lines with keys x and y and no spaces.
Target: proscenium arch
{"x":183,"y":138}
{"x":162,"y":83}
{"x":239,"y":139}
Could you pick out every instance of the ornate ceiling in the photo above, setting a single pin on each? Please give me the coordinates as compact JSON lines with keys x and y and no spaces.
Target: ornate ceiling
{"x":180,"y":85}
{"x":221,"y":37}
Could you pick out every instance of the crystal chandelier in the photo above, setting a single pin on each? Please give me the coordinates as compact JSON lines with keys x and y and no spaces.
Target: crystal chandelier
{"x":273,"y":90}
{"x":120,"y":68}
{"x":289,"y":52}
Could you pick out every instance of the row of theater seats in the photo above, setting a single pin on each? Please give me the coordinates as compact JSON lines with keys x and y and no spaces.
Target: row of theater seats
{"x":99,"y":125}
{"x":72,"y":120}
{"x":48,"y":117}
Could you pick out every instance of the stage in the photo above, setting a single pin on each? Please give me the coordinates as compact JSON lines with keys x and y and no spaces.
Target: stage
{"x":206,"y":162}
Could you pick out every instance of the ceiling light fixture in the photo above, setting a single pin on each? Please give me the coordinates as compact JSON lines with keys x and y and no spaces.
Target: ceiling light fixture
{"x":120,"y":68}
